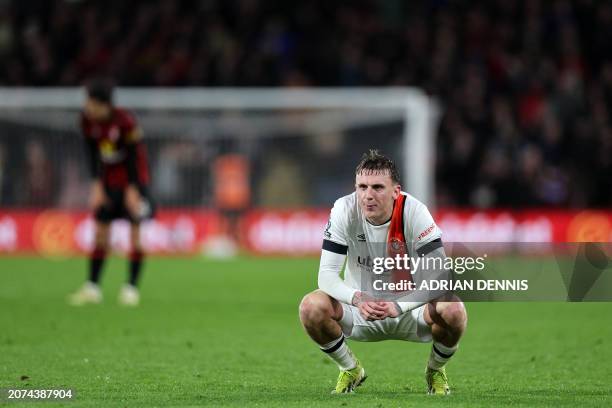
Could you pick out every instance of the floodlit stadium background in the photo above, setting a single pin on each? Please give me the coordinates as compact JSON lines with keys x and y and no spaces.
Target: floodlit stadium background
{"x":520,"y":132}
{"x":523,"y":142}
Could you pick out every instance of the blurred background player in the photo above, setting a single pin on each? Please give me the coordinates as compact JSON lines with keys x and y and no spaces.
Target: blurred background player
{"x":119,"y":189}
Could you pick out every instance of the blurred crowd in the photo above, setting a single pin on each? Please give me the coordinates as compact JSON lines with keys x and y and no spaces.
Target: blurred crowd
{"x":525,"y":86}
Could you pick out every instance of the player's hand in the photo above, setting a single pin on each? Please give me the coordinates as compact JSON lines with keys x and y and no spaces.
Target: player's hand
{"x":368,"y":307}
{"x":391,"y":309}
{"x":97,"y":196}
{"x":133,"y":201}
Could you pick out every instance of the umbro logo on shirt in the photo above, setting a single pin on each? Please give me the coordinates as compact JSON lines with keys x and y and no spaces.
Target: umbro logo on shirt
{"x":361,"y":238}
{"x":326,"y":232}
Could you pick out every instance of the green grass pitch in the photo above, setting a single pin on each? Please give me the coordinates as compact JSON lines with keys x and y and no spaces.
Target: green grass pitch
{"x":216,"y":333}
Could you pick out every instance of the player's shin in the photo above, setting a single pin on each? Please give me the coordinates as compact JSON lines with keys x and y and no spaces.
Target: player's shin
{"x":135,"y":267}
{"x":440,"y":355}
{"x":339,"y":351}
{"x":96,"y":262}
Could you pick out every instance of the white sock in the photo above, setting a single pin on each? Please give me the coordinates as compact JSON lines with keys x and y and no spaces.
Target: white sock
{"x":440,"y":354}
{"x":92,"y":285}
{"x":339,"y":351}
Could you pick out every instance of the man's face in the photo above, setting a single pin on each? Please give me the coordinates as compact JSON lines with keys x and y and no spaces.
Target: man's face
{"x":376,"y":193}
{"x":96,"y":110}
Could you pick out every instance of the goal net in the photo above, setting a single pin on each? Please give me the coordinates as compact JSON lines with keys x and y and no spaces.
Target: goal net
{"x":232,"y":150}
{"x":300,"y":146}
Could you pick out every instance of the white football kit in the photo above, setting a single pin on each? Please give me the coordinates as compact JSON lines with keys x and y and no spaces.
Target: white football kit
{"x":349,"y":234}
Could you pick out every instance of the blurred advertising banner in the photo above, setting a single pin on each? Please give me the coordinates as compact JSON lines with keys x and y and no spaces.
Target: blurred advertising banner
{"x":284,"y":232}
{"x":61,"y":233}
{"x":301,"y":232}
{"x":525,"y":226}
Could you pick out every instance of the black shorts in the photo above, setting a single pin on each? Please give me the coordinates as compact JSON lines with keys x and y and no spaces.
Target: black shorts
{"x":115,"y":208}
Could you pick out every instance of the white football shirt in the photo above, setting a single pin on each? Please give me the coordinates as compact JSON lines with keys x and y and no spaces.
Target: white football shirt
{"x":349,"y":235}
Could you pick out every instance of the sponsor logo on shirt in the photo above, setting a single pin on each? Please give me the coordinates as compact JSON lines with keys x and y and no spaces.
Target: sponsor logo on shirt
{"x":426,"y":232}
{"x":365,"y":261}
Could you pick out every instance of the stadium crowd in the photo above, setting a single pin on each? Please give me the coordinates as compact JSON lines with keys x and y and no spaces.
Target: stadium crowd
{"x":526,"y":86}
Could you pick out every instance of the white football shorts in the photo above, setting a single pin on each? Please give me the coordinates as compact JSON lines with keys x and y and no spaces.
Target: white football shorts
{"x":410,"y":326}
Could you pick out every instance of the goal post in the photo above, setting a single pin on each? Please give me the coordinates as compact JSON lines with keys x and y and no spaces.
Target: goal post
{"x":417,"y":112}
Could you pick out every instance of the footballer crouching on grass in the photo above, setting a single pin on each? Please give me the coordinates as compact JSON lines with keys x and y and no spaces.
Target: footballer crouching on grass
{"x":375,"y":213}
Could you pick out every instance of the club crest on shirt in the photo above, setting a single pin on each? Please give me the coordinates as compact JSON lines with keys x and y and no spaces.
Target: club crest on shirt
{"x":113,"y":133}
{"x":395,"y":243}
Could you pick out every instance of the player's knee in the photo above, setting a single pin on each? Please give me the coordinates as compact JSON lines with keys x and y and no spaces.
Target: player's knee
{"x":137,"y":246}
{"x":315,"y":308}
{"x":453,"y":314}
{"x":101,"y":239}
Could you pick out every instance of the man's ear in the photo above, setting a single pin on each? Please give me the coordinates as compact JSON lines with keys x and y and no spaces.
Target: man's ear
{"x":397,"y":189}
